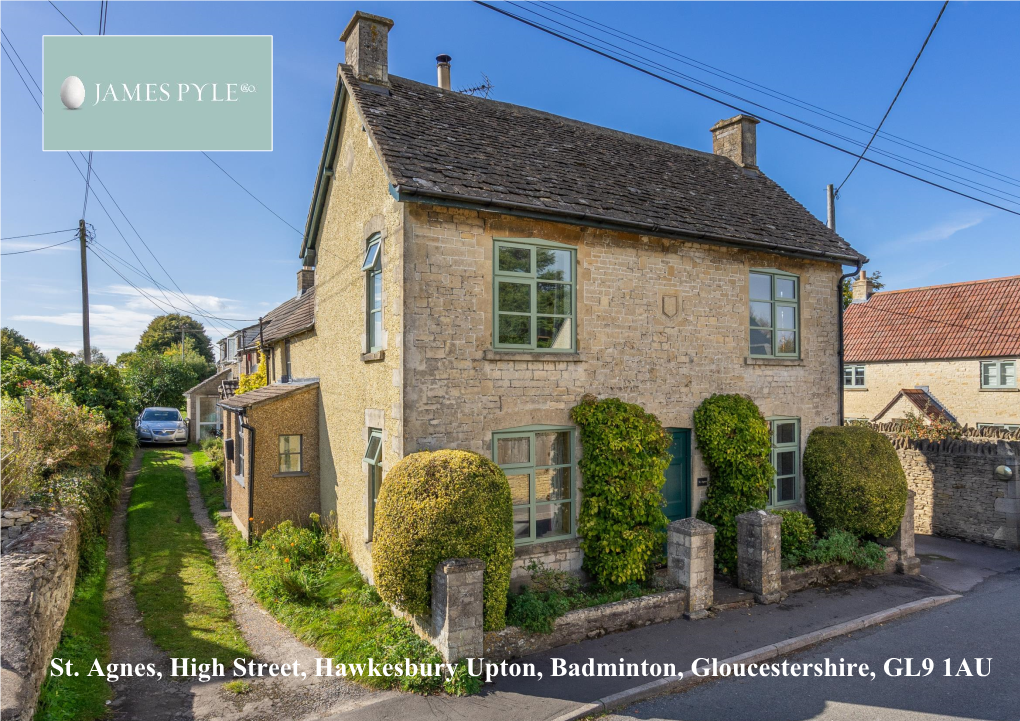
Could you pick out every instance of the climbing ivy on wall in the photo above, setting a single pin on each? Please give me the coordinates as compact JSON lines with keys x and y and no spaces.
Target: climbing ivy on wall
{"x":623,"y":459}
{"x":733,"y":438}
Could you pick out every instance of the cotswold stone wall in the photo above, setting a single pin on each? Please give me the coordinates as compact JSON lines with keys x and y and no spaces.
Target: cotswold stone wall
{"x":37,"y":572}
{"x":957,"y":493}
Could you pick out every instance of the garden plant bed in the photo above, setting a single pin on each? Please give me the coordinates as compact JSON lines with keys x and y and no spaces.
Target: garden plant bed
{"x":585,"y":623}
{"x":826,"y":574}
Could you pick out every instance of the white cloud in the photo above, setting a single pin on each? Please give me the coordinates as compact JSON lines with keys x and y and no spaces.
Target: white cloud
{"x":136,"y":295}
{"x":12,"y":246}
{"x":941,"y":230}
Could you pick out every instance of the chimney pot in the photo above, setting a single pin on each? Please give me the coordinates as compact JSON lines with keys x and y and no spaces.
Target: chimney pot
{"x":366,"y":47}
{"x":443,"y":70}
{"x":863,"y":288}
{"x":735,"y":139}
{"x":305,"y":279}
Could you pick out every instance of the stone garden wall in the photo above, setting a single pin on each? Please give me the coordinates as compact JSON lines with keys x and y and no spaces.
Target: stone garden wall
{"x":37,"y":573}
{"x":958,"y":492}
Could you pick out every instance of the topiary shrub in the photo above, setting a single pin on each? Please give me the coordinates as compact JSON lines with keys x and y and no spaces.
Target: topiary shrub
{"x":624,"y":457}
{"x":733,"y":438}
{"x":798,"y":535}
{"x":854,"y":481}
{"x":439,"y":505}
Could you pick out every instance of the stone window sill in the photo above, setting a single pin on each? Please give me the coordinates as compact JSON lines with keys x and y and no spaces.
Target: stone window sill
{"x":491,"y":354}
{"x":560,"y":544}
{"x":291,"y":474}
{"x":1000,"y":390}
{"x":239,"y":480}
{"x":373,"y":357}
{"x":855,"y":388}
{"x":752,"y":360}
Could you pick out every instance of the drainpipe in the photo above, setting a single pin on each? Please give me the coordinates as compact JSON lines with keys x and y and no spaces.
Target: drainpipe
{"x":839,"y":311}
{"x":251,"y":471}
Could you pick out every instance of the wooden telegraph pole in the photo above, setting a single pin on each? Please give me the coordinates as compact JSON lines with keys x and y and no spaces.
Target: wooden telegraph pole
{"x":87,"y":347}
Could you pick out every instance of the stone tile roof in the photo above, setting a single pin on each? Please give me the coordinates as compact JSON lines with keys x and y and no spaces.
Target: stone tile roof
{"x":265,"y":394}
{"x":438,"y":144}
{"x":289,"y":318}
{"x":921,"y":400}
{"x":979,"y":319}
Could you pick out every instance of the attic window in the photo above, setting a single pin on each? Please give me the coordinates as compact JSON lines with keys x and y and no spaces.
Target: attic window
{"x":371,"y":257}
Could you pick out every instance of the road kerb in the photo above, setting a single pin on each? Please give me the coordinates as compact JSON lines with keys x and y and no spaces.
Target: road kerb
{"x":673,"y":684}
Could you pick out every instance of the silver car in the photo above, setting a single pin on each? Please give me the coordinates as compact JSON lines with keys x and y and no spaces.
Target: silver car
{"x":161,"y":425}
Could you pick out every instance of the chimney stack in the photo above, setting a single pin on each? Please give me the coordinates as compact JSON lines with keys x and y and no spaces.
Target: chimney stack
{"x":365,"y":47}
{"x":305,"y":279}
{"x":735,"y":139}
{"x":443,"y":70}
{"x":863,"y":288}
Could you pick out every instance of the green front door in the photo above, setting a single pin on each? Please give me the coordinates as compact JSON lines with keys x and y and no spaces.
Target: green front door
{"x":676,"y":491}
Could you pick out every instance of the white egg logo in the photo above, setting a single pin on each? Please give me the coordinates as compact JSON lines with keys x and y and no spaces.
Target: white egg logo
{"x":72,"y":92}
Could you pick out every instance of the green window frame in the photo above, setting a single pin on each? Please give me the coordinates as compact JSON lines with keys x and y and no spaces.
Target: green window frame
{"x":774,"y":313}
{"x":853,"y":376}
{"x":540,"y":465}
{"x":784,"y":433}
{"x":534,"y":296}
{"x":998,"y":374}
{"x":372,"y":266}
{"x":373,"y":457}
{"x":290,"y":453}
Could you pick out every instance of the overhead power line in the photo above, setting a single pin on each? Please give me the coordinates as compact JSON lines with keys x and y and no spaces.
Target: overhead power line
{"x":238,"y":183}
{"x":66,"y":18}
{"x":45,"y":247}
{"x":781,"y":126}
{"x":895,"y":97}
{"x":36,"y":235}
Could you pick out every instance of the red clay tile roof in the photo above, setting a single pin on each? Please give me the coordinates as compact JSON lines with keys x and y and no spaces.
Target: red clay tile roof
{"x":923,"y":402}
{"x":978,"y":319}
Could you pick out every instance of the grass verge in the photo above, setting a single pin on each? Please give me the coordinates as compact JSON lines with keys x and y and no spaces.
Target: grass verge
{"x":211,"y":487}
{"x":307,"y":581}
{"x":77,"y":698}
{"x":183,"y":605}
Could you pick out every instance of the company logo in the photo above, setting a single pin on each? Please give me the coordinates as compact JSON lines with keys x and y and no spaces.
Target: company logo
{"x":157,"y":93}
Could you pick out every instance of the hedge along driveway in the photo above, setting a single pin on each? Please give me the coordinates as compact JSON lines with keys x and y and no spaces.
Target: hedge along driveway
{"x":183,"y":605}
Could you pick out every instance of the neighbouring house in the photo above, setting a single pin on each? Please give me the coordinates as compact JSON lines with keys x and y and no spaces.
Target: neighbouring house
{"x":480,"y":266}
{"x":943,"y":351}
{"x":204,"y":420}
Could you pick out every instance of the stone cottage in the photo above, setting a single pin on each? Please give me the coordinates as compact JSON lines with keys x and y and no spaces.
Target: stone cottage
{"x":480,"y":266}
{"x":944,"y":351}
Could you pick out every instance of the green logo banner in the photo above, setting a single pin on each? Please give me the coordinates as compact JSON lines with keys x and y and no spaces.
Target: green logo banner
{"x":158,"y":92}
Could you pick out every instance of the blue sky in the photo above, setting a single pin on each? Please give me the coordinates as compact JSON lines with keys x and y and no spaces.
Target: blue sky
{"x":237,"y":260}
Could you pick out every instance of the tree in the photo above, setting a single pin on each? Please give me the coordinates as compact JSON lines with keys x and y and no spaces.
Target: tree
{"x":98,"y":357}
{"x":159,"y":380}
{"x":848,"y":287}
{"x":165,"y":330}
{"x":13,"y":343}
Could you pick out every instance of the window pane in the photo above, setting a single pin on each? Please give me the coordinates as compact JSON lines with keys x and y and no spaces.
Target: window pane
{"x":290,"y":444}
{"x":552,"y":484}
{"x":513,"y":450}
{"x":514,"y":297}
{"x":375,"y":291}
{"x":785,"y":433}
{"x":848,"y":375}
{"x":522,"y":522}
{"x":1008,"y":375}
{"x":552,"y":449}
{"x":859,"y":376}
{"x":371,"y":256}
{"x":787,"y":341}
{"x":290,"y":462}
{"x":554,"y":332}
{"x":206,"y":431}
{"x":207,"y":410}
{"x":515,"y":330}
{"x":786,"y":489}
{"x":374,"y":447}
{"x":761,"y":315}
{"x":553,"y":298}
{"x":761,"y":286}
{"x":786,"y":288}
{"x":552,"y":520}
{"x":786,"y":317}
{"x":988,"y":374}
{"x":761,"y":342}
{"x":376,"y":330}
{"x":520,"y":487}
{"x":786,"y":463}
{"x":553,"y":264}
{"x":514,"y":260}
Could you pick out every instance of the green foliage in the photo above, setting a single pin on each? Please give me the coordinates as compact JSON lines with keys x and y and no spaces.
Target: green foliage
{"x":439,"y":505}
{"x":82,"y":640}
{"x":160,"y":380}
{"x":854,"y":481}
{"x":165,"y":330}
{"x":844,"y":547}
{"x":536,"y":611}
{"x":251,"y":381}
{"x":183,"y":605}
{"x":14,"y":344}
{"x":624,"y":458}
{"x":919,"y":426}
{"x":733,"y":438}
{"x":209,"y":473}
{"x":848,"y":289}
{"x":798,"y":536}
